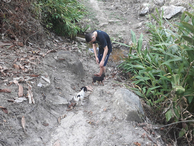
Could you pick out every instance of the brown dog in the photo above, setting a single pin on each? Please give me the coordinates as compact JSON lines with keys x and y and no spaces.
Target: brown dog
{"x":98,"y":79}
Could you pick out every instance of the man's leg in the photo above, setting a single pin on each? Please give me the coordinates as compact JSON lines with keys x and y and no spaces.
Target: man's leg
{"x":102,"y":69}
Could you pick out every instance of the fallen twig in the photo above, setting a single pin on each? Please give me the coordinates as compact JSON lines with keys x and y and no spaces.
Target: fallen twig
{"x":158,"y":127}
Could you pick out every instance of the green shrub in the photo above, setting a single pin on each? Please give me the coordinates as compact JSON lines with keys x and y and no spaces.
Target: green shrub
{"x":164,"y":73}
{"x":61,"y":16}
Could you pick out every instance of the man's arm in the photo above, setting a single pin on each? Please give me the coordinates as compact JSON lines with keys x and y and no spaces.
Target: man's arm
{"x":94,"y":49}
{"x":104,"y":55}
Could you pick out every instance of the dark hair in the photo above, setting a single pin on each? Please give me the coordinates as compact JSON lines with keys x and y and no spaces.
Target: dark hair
{"x":88,"y":37}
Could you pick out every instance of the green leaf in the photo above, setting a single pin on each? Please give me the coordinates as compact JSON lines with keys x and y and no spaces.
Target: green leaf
{"x":133,"y":37}
{"x":182,"y":16}
{"x":172,"y":60}
{"x":182,"y":132}
{"x":144,"y":90}
{"x":169,"y":115}
{"x":189,"y":39}
{"x":150,"y":89}
{"x":138,"y":93}
{"x":190,"y":99}
{"x":159,"y":100}
{"x":175,"y":80}
{"x":139,"y":67}
{"x":188,"y":26}
{"x":179,"y":90}
{"x":140,"y":42}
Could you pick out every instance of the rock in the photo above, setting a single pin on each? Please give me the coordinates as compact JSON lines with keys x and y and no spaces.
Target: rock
{"x":170,"y":11}
{"x":71,"y":62}
{"x":144,"y":11}
{"x":127,"y":105}
{"x":146,"y":8}
{"x":159,"y":2}
{"x":80,"y":39}
{"x":138,"y":25}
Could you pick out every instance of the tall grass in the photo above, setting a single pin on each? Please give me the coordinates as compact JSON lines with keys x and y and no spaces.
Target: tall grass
{"x":164,"y":74}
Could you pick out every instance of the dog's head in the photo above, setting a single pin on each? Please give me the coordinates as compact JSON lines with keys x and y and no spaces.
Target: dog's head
{"x":84,"y":88}
{"x":103,"y":75}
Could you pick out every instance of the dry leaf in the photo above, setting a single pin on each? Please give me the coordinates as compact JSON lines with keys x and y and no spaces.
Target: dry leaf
{"x":33,"y":75}
{"x":23,"y":122}
{"x":18,"y":100}
{"x":10,"y":100}
{"x":60,"y":118}
{"x":16,"y":66}
{"x":45,"y":124}
{"x":20,"y":92}
{"x":22,"y":67}
{"x":4,"y":109}
{"x":15,"y":82}
{"x":5,"y":44}
{"x":20,"y":44}
{"x":57,"y":143}
{"x":30,"y":94}
{"x":137,"y":144}
{"x":5,"y":90}
{"x":46,"y":79}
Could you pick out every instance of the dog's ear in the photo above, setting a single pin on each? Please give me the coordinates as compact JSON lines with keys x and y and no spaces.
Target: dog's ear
{"x":85,"y":89}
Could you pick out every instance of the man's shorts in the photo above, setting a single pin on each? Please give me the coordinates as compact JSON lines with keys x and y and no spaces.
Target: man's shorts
{"x":106,"y":58}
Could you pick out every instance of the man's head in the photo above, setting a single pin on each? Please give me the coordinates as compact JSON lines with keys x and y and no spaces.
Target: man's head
{"x":90,"y":37}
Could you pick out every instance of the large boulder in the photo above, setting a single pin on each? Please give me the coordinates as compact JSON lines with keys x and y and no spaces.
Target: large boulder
{"x":127,"y":105}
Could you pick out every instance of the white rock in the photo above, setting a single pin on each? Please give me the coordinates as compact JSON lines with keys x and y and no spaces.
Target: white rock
{"x":127,"y":105}
{"x":170,"y":11}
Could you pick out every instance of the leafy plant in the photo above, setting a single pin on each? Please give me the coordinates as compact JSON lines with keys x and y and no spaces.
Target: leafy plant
{"x":163,"y":74}
{"x":61,"y":16}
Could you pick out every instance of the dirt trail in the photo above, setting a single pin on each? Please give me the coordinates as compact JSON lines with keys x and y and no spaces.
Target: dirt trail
{"x":100,"y":14}
{"x":95,"y":123}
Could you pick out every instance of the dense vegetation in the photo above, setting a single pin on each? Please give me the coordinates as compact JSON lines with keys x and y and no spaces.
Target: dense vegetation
{"x":61,"y":16}
{"x":163,"y":74}
{"x":23,"y":20}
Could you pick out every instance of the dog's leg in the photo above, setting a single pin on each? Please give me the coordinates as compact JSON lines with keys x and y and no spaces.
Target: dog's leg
{"x":82,"y":102}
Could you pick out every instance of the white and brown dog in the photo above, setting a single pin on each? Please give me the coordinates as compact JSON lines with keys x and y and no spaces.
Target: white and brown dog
{"x":80,"y":95}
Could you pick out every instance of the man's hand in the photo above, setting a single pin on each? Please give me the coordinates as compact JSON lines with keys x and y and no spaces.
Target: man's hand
{"x":97,"y":60}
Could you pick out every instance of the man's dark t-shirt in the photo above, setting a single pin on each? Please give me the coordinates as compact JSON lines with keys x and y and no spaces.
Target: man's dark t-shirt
{"x":103,"y":40}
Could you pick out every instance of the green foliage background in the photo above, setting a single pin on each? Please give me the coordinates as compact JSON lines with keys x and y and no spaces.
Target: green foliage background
{"x":163,"y":74}
{"x":61,"y":16}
